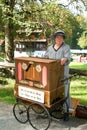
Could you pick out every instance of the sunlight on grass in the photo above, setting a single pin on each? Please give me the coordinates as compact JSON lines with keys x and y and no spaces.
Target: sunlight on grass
{"x":78,"y":86}
{"x":78,"y":89}
{"x":78,"y":65}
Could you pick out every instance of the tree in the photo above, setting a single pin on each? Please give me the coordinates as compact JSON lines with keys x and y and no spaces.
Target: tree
{"x":82,"y":40}
{"x":1,"y":22}
{"x":29,"y":15}
{"x":7,"y":8}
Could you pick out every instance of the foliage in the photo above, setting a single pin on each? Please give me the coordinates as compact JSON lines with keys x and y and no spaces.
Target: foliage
{"x":48,"y":17}
{"x":82,"y":40}
{"x":1,"y":56}
{"x":28,"y":15}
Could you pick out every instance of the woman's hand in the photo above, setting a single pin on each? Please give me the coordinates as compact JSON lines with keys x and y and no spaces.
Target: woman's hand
{"x":63,"y":61}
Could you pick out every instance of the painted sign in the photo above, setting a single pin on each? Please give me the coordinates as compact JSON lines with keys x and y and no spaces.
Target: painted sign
{"x":32,"y":94}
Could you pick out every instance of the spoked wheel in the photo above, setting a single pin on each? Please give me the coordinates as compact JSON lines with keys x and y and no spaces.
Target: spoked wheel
{"x":20,"y":112}
{"x":39,"y":116}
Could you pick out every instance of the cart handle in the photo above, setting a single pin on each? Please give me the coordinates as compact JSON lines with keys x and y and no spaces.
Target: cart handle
{"x":67,"y":78}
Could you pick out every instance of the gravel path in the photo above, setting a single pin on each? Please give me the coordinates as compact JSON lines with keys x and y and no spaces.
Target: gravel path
{"x":8,"y":122}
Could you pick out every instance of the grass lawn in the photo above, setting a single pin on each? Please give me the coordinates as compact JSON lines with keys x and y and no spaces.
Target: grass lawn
{"x":7,"y":91}
{"x":78,"y":85}
{"x":78,"y":65}
{"x":78,"y":88}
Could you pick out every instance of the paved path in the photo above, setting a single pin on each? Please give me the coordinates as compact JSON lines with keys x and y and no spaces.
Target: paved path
{"x":8,"y":122}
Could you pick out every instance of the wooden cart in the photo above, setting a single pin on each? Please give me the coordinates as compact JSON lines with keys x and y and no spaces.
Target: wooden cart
{"x":38,"y":90}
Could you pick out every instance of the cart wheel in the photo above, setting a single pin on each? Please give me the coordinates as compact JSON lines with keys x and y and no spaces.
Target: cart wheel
{"x":37,"y":108}
{"x":38,"y":116}
{"x":20,"y":112}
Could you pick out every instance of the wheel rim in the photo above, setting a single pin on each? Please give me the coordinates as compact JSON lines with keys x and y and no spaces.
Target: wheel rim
{"x":20,"y":112}
{"x":39,"y":120}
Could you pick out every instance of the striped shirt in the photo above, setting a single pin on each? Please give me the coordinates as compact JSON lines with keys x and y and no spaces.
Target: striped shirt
{"x":62,"y":52}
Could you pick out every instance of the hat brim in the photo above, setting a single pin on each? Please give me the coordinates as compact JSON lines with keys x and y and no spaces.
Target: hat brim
{"x":58,"y":34}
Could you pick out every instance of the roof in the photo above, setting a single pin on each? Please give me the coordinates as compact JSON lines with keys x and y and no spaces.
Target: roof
{"x":78,"y":51}
{"x":30,"y":40}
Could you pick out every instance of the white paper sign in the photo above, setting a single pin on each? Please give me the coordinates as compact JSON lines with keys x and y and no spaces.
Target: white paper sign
{"x":31,"y":94}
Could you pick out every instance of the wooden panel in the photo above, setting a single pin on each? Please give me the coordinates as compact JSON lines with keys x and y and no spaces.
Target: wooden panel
{"x":40,"y":60}
{"x":32,"y":74}
{"x":49,"y":80}
{"x":50,"y":97}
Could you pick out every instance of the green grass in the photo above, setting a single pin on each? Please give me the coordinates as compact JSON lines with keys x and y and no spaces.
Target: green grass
{"x":78,"y":85}
{"x":78,"y":65}
{"x":7,"y":92}
{"x":78,"y":89}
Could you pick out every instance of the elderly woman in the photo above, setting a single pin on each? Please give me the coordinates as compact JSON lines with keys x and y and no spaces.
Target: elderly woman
{"x":61,"y":50}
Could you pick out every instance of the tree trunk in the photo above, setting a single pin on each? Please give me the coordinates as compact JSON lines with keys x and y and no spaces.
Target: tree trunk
{"x":9,"y":41}
{"x":9,"y":31}
{"x":78,"y":72}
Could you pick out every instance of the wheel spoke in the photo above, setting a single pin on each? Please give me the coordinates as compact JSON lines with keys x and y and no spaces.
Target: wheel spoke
{"x":20,"y":112}
{"x":39,"y":118}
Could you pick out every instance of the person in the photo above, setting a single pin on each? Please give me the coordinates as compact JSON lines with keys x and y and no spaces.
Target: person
{"x":61,"y":50}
